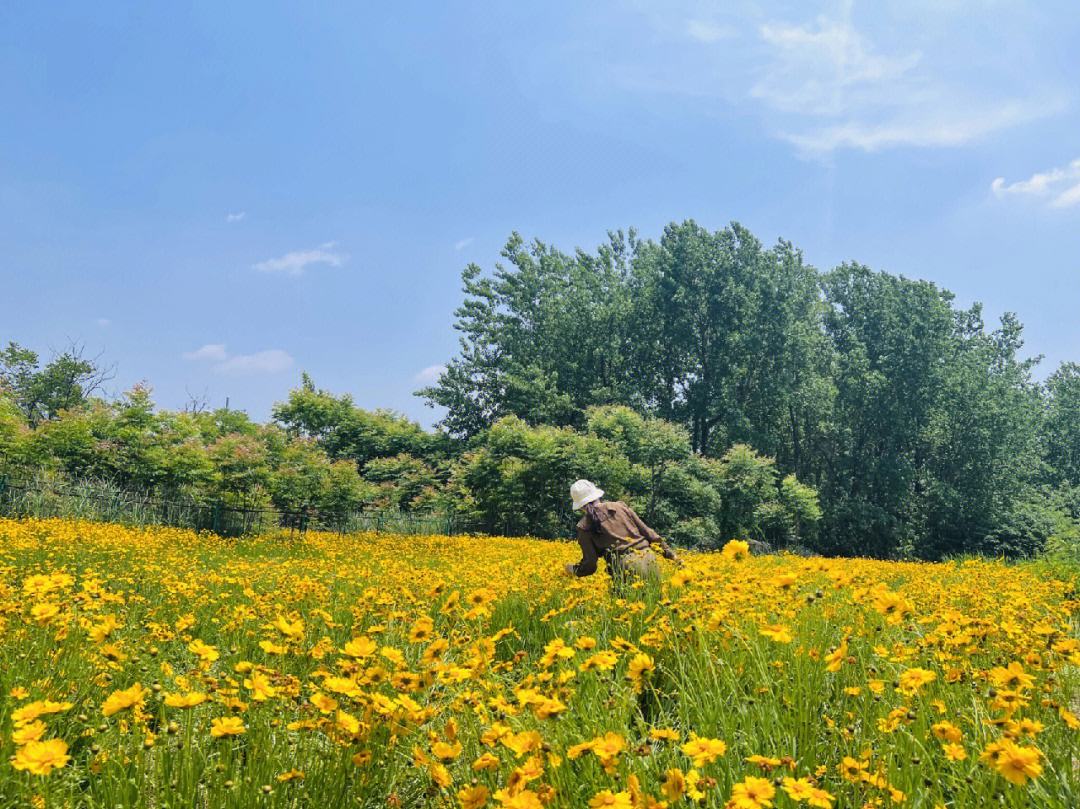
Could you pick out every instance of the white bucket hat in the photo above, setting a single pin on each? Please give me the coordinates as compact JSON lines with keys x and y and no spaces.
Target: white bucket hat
{"x":584,"y":492}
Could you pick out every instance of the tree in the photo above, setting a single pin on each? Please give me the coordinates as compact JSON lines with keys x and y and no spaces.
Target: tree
{"x":66,"y":382}
{"x":1061,"y":426}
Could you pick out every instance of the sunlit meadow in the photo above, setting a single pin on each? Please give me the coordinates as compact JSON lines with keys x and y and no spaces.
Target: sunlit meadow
{"x":161,"y":668}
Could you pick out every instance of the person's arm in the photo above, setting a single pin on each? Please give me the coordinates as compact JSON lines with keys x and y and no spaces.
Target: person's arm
{"x":653,"y":537}
{"x":587,"y":565}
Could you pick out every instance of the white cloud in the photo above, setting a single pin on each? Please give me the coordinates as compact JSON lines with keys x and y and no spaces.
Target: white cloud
{"x":266,"y":362}
{"x":1059,"y":187}
{"x":296,"y":262}
{"x":235,"y":217}
{"x":210,"y":351}
{"x":929,"y":129}
{"x":705,"y":31}
{"x":429,"y":375}
{"x":271,"y":361}
{"x":104,"y":322}
{"x":832,"y":89}
{"x":463,"y":243}
{"x":826,"y":69}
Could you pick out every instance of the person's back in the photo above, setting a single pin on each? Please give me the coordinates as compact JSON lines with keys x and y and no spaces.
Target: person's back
{"x":612,"y":530}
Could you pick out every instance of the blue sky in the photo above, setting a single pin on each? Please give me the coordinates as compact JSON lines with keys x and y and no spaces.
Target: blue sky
{"x":221,"y":195}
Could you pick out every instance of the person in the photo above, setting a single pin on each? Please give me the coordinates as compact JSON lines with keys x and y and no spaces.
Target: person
{"x":613,"y":531}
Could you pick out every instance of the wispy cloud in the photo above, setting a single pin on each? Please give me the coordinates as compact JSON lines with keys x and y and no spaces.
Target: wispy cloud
{"x":429,"y":375}
{"x":235,"y":217}
{"x":461,"y":244}
{"x":103,"y":322}
{"x":210,"y":351}
{"x":298,"y":261}
{"x":707,"y":31}
{"x":835,"y":90}
{"x":837,"y":77}
{"x":1059,"y":187}
{"x":270,"y":361}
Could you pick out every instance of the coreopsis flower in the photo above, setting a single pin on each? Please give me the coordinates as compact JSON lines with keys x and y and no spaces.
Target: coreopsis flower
{"x":893,"y":606}
{"x":260,"y":686}
{"x":473,"y":797}
{"x":104,"y":628}
{"x":834,"y":660}
{"x":44,"y":613}
{"x":614,"y":800}
{"x":946,"y":731}
{"x":953,"y":751}
{"x":30,"y":732}
{"x":751,"y":793}
{"x":1011,"y":677}
{"x":486,"y":762}
{"x":736,"y":550}
{"x":41,"y":758}
{"x":852,"y":769}
{"x":913,"y":680}
{"x":663,"y":734}
{"x":802,"y":790}
{"x":33,"y":710}
{"x":1016,"y":763}
{"x":361,"y":647}
{"x":601,"y":661}
{"x":446,"y":751}
{"x":674,"y":786}
{"x":292,"y":629}
{"x":227,"y":726}
{"x":703,"y":751}
{"x":122,"y":700}
{"x":204,"y":651}
{"x":185,"y":700}
{"x":526,"y":799}
{"x":640,"y":667}
{"x":421,"y":630}
{"x":776,"y":632}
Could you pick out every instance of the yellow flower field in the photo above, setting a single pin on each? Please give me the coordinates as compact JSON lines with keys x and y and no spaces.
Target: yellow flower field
{"x":161,"y":668}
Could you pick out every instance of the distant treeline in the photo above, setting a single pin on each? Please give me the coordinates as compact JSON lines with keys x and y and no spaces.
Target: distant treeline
{"x":722,"y":388}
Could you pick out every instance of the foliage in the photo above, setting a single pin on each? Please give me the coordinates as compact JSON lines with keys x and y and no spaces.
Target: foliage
{"x":921,"y":429}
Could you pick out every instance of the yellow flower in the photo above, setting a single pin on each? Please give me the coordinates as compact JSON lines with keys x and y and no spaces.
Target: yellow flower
{"x":260,"y":687}
{"x":473,"y":797}
{"x":227,"y":726}
{"x":617,"y":800}
{"x":1016,"y":764}
{"x":776,"y":632}
{"x":122,"y":700}
{"x":954,"y":752}
{"x":421,"y":630}
{"x":360,"y":647}
{"x":912,"y":680}
{"x":752,"y":793}
{"x":44,"y":613}
{"x":32,"y":710}
{"x":41,"y":758}
{"x":800,"y":789}
{"x":704,"y":751}
{"x":294,"y":630}
{"x":446,"y":751}
{"x":674,"y":786}
{"x":188,"y":700}
{"x":736,"y":550}
{"x":31,"y":732}
{"x":204,"y":651}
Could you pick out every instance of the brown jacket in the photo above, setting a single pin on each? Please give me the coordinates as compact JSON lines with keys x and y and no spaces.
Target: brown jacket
{"x":620,"y":531}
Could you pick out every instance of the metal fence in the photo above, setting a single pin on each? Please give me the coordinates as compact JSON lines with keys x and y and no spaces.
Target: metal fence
{"x":102,"y":501}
